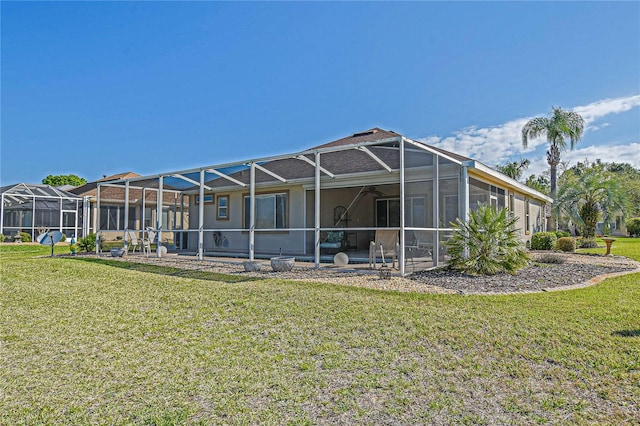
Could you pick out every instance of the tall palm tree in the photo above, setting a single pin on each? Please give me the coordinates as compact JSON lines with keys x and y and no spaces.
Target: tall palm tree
{"x":559,"y":126}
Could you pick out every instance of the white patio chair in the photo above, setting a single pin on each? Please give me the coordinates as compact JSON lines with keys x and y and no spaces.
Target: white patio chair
{"x":133,"y":242}
{"x":149,"y":237}
{"x":386,"y":241}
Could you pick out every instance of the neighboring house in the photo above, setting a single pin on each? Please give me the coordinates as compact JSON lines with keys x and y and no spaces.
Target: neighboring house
{"x":36,"y":208}
{"x":112,"y":208}
{"x":365,"y":182}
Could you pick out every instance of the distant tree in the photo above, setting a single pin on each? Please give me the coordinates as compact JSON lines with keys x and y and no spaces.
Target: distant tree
{"x":560,"y":125}
{"x":539,"y":183}
{"x":514,"y":169}
{"x":59,"y":180}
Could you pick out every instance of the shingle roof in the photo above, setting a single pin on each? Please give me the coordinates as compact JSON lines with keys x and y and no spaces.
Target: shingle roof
{"x":370,"y":135}
{"x":117,"y":194}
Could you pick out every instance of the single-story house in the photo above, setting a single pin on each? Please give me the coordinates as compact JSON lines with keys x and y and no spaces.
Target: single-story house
{"x":36,"y":208}
{"x":115,"y":219}
{"x":353,"y":188}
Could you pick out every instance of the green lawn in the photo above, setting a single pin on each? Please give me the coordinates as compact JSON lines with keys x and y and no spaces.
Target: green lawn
{"x":88,"y":342}
{"x":623,"y":246}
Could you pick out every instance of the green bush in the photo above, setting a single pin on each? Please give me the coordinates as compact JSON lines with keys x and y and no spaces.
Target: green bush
{"x":633,"y":226}
{"x":588,"y":243}
{"x":550,"y":258}
{"x":566,"y":244}
{"x":87,"y":243}
{"x":26,"y":238}
{"x":543,"y":240}
{"x":487,"y":244}
{"x":562,"y":234}
{"x":2,"y":238}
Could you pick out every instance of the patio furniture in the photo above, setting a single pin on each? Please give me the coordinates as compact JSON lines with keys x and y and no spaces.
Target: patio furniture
{"x":133,"y":243}
{"x":334,"y":242}
{"x":416,"y":245}
{"x":148,"y":237}
{"x":387,"y":243}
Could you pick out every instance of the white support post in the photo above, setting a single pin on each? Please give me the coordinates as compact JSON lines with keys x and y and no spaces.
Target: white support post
{"x":75,"y":224}
{"x":33,"y":217}
{"x":464,"y":199}
{"x":402,"y":207}
{"x":60,"y":217}
{"x":86,"y":216}
{"x":317,"y":212}
{"x":144,"y":211}
{"x":436,"y":209}
{"x":252,"y":211}
{"x":201,"y":217}
{"x":159,"y":217}
{"x":126,"y":216}
{"x":97,"y":215}
{"x":2,"y":214}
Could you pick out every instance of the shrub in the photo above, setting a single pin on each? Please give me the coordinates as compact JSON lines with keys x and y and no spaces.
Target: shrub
{"x":550,"y":258}
{"x":26,"y":238}
{"x":2,"y":238}
{"x":633,"y":226}
{"x":566,"y":244}
{"x":562,"y":234}
{"x":487,"y":244}
{"x":588,"y":243}
{"x":87,"y":243}
{"x":543,"y":240}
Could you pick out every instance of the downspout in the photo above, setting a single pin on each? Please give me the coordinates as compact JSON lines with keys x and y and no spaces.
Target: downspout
{"x":201,"y":218}
{"x":316,"y":250}
{"x":402,"y":211}
{"x":252,"y":211}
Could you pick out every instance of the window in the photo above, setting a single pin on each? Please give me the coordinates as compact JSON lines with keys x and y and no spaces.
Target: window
{"x":222,"y":211}
{"x":112,"y":218}
{"x":271,"y":211}
{"x":207,"y":199}
{"x":414,"y":212}
{"x":387,"y":212}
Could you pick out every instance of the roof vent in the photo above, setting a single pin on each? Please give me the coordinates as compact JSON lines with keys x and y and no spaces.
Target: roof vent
{"x":365,"y":133}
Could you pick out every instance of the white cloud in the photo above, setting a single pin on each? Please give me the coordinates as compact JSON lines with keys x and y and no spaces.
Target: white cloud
{"x":607,"y":106}
{"x":498,"y":144}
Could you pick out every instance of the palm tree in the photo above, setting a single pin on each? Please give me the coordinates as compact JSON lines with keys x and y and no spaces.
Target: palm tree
{"x":560,"y":125}
{"x":589,"y":198}
{"x":514,"y":169}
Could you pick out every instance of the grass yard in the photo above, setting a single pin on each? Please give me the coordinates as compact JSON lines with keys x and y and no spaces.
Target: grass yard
{"x":622,"y":246}
{"x":88,"y":342}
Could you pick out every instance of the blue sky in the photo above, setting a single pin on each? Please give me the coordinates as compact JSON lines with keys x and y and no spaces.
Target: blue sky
{"x":95,"y":88}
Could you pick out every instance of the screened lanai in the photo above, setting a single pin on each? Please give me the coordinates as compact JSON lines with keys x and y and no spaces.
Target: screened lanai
{"x":34,"y":209}
{"x":336,"y":197}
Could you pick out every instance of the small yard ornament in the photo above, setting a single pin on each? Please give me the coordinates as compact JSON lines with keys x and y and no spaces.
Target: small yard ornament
{"x":72,"y":244}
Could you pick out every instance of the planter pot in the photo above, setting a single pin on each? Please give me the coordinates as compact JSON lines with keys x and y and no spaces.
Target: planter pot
{"x":117,"y":252}
{"x":282,"y":263}
{"x":251,"y":266}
